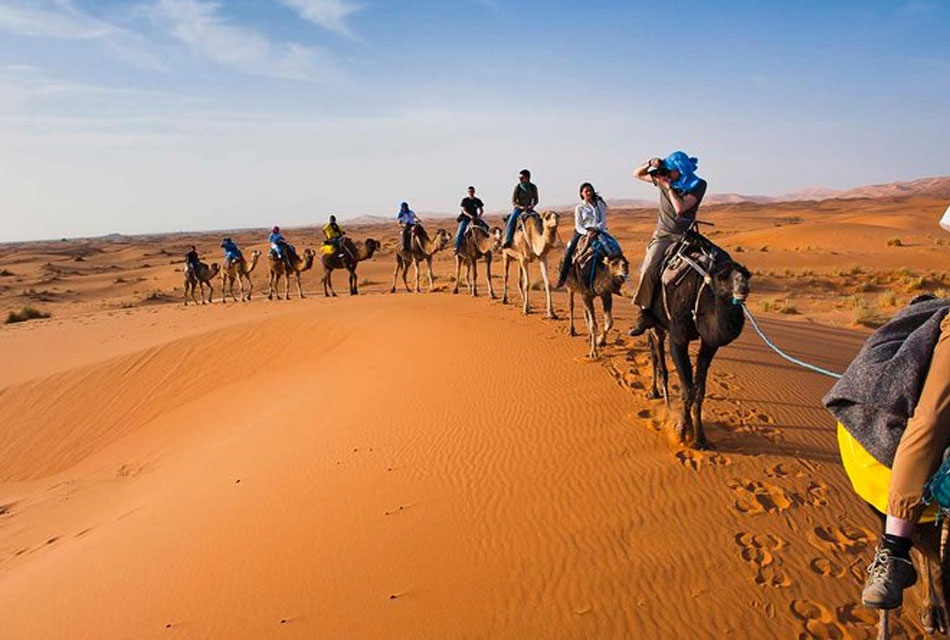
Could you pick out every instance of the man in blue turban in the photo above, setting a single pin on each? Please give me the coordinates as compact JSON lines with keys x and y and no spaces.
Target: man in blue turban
{"x":681,"y":191}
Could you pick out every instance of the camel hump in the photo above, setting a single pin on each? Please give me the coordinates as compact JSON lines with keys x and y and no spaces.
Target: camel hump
{"x":532,"y":217}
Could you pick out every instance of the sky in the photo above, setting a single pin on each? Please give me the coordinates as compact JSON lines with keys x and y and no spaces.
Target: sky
{"x":170,"y":115}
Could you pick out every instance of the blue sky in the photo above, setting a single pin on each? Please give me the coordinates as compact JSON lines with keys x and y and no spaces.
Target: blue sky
{"x":164,"y":115}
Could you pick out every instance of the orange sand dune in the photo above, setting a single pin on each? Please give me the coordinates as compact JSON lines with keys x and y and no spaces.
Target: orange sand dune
{"x":430,"y":466}
{"x":415,"y":466}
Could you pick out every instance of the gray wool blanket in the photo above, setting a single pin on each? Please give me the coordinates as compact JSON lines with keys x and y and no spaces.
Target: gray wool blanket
{"x":879,"y":390}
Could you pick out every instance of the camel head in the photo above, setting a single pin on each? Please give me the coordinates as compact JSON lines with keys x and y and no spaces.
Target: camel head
{"x":372,"y":246}
{"x":442,"y":239}
{"x":549,"y":219}
{"x":308,"y":254}
{"x":496,"y":235}
{"x":730,"y":282}
{"x":619,"y":270}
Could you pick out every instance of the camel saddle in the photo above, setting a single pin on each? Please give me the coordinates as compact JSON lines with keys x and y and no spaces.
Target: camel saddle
{"x":693,"y":251}
{"x":522,"y":220}
{"x":587,"y":259}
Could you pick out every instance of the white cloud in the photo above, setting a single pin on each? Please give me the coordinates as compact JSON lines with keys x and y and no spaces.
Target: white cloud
{"x":201,"y":27}
{"x":62,"y":21}
{"x":329,"y":14}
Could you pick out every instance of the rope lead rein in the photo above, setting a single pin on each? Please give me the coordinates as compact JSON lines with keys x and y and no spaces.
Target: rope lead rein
{"x":771,"y":345}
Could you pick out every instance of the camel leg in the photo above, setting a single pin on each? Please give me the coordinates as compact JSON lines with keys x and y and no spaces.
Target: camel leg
{"x":224,"y":289}
{"x":505,"y":267}
{"x":474,"y":280}
{"x":286,"y":286}
{"x":657,"y":338}
{"x":608,"y":302}
{"x":491,"y":289}
{"x":458,"y":272}
{"x":186,"y":293}
{"x":415,"y":266}
{"x":201,"y":283}
{"x":429,"y":269}
{"x":392,"y":289}
{"x":684,"y":368}
{"x":299,"y":288}
{"x":703,"y":360}
{"x":323,"y":281}
{"x":354,"y":284}
{"x":210,"y":292}
{"x":524,"y":285}
{"x":591,"y":320}
{"x":543,"y":263}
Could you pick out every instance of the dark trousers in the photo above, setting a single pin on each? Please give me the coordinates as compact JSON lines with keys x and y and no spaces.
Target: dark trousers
{"x":568,"y":257}
{"x":406,"y":236}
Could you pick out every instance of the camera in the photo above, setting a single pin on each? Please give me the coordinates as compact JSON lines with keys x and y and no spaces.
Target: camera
{"x":658,"y":171}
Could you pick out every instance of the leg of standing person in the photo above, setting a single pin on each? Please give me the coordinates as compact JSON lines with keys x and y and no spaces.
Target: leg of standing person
{"x":918,"y":456}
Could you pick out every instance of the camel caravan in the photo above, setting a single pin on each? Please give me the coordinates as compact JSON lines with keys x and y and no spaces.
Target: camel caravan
{"x":689,"y":289}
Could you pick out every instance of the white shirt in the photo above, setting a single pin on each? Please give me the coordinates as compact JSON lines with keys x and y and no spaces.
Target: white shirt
{"x":587,"y":216}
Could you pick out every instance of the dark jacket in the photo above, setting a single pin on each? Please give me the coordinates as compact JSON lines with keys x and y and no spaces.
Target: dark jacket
{"x":878,"y":392}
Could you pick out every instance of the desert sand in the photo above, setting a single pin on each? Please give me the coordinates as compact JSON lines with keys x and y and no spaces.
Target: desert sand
{"x":434,"y":466}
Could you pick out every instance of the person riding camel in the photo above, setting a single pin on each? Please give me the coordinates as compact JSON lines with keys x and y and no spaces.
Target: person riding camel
{"x":681,"y":192}
{"x":472,"y":210}
{"x":231,"y":251}
{"x":280,"y":248}
{"x":334,"y":238}
{"x":191,"y":260}
{"x":893,"y":410}
{"x":408,"y":220}
{"x":525,"y":199}
{"x":590,"y":223}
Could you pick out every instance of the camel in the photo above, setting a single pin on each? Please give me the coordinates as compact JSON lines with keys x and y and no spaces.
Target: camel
{"x":607,"y":283}
{"x":421,"y":247}
{"x":709,"y":310}
{"x":354,"y":253}
{"x":477,"y":243}
{"x":278,"y":269}
{"x":238,"y":270}
{"x":201,"y":277}
{"x":534,"y":238}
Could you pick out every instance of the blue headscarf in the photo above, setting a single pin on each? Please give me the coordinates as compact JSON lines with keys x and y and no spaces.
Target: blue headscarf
{"x":681,"y":162}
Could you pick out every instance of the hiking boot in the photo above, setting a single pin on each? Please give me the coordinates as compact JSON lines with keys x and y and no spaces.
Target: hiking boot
{"x":888,"y":576}
{"x":643,"y":322}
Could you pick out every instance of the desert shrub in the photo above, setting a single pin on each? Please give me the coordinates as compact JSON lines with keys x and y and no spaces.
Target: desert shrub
{"x":887,"y":299}
{"x":738,"y":249}
{"x":864,"y":314}
{"x":6,"y":273}
{"x":764,"y":248}
{"x":24,"y":314}
{"x":864,"y":287}
{"x":119,"y":280}
{"x":79,"y":259}
{"x":895,"y":242}
{"x":779,"y":305}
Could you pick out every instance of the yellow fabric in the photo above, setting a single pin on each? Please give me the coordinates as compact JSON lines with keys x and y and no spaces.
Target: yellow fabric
{"x":871,"y":479}
{"x":328,"y":249}
{"x":330,"y":232}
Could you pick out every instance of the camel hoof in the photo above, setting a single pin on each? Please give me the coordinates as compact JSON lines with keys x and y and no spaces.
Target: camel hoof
{"x":393,"y":290}
{"x":703,"y":445}
{"x":653,"y":394}
{"x":553,"y":316}
{"x":572,"y":332}
{"x":454,"y":291}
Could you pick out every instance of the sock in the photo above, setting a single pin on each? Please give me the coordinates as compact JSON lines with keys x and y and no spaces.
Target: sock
{"x":899,"y":546}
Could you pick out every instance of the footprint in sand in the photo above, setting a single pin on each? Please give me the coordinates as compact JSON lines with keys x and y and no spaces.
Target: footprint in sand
{"x":694,"y":460}
{"x":816,"y":494}
{"x":817,"y":619}
{"x":844,"y":539}
{"x":784,"y":470}
{"x":754,"y":497}
{"x":758,"y":551}
{"x":827,"y":568}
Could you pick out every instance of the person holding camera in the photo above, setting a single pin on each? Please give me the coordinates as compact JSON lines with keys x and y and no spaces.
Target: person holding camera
{"x":472,"y":210}
{"x":681,"y":192}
